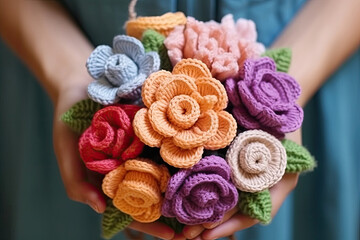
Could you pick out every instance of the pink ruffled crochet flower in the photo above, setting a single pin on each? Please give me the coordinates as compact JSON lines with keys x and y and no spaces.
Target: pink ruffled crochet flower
{"x":110,"y":140}
{"x":223,"y":47}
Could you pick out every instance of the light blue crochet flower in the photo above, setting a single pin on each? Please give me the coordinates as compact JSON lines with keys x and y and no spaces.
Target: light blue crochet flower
{"x":119,"y":72}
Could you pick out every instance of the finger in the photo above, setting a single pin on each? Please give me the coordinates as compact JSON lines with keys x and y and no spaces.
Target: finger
{"x":72,"y":169}
{"x":281,"y":190}
{"x":156,"y":229}
{"x":179,"y":236}
{"x":226,"y":217}
{"x":193,"y":231}
{"x":236,"y":223}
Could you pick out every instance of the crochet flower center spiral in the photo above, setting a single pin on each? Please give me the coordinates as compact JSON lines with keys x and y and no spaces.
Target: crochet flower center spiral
{"x":121,"y":68}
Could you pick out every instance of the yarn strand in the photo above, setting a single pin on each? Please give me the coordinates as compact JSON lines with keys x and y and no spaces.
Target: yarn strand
{"x":132,"y":12}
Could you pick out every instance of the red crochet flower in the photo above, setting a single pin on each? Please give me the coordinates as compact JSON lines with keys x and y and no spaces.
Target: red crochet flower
{"x":110,"y":140}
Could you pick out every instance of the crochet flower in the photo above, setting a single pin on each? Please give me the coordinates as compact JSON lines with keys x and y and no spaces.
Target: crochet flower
{"x":257,"y":161}
{"x":223,"y":47}
{"x":120,"y":71}
{"x":265,"y":99}
{"x":110,"y":140}
{"x":136,"y":188}
{"x":201,"y":194}
{"x":184,"y":114}
{"x":163,"y":24}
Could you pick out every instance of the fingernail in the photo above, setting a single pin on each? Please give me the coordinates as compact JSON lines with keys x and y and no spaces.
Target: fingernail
{"x":93,"y":206}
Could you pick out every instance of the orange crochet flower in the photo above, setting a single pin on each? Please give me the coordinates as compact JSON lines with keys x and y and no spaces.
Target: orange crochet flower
{"x":184,"y":113}
{"x":136,"y":188}
{"x":163,"y":24}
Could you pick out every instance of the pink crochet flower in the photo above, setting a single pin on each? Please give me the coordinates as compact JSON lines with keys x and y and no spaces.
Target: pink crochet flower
{"x":223,"y":47}
{"x":110,"y":140}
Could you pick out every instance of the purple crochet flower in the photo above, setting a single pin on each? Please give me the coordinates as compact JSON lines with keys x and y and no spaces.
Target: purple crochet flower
{"x":119,"y":72}
{"x":201,"y":194}
{"x":265,"y":99}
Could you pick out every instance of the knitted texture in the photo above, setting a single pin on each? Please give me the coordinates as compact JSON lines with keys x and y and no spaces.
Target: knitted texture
{"x":119,"y":72}
{"x":184,"y":114}
{"x":79,"y":116}
{"x":257,"y":161}
{"x":223,"y":47}
{"x":163,"y":24}
{"x":136,"y":188}
{"x":154,"y":41}
{"x":201,"y":194}
{"x":113,"y":221}
{"x":110,"y":140}
{"x":256,"y":205}
{"x":299,"y":158}
{"x":265,"y":99}
{"x":282,"y":58}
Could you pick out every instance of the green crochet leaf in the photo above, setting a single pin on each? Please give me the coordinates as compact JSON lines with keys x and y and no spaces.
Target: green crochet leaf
{"x":154,"y":41}
{"x":282,"y":58}
{"x":113,"y":221}
{"x":173,"y":223}
{"x":256,"y":205}
{"x":299,"y":158}
{"x":79,"y":116}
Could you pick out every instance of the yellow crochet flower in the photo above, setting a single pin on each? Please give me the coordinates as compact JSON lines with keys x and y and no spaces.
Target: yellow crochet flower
{"x":163,"y":24}
{"x":184,"y":113}
{"x":136,"y":188}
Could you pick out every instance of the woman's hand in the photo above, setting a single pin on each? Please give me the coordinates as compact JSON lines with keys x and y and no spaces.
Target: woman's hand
{"x":234,"y":221}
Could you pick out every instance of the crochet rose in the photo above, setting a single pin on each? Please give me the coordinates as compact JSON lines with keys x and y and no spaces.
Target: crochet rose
{"x":110,"y":140}
{"x":120,"y":71}
{"x":265,"y":99}
{"x":136,"y":188}
{"x":257,"y":161}
{"x":163,"y":24}
{"x":201,"y":194}
{"x":184,"y":114}
{"x":223,"y":47}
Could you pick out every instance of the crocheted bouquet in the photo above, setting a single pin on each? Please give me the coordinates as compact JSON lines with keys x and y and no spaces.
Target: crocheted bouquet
{"x":186,"y":120}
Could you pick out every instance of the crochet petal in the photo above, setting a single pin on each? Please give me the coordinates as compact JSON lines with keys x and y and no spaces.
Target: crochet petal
{"x":152,"y":84}
{"x":129,"y":46}
{"x":226,"y":132}
{"x":193,"y":68}
{"x":248,"y":99}
{"x":294,"y":119}
{"x":103,"y":92}
{"x":211,"y":86}
{"x":112,"y":180}
{"x":175,"y":43}
{"x":145,"y":166}
{"x":177,"y":85}
{"x":149,"y":63}
{"x":178,"y":157}
{"x":130,"y":110}
{"x":95,"y":64}
{"x":151,"y":215}
{"x":132,"y":89}
{"x":231,"y":89}
{"x":103,"y":166}
{"x":224,"y":66}
{"x":244,"y":119}
{"x":202,"y":131}
{"x":144,"y":130}
{"x":159,"y":121}
{"x":133,"y":150}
